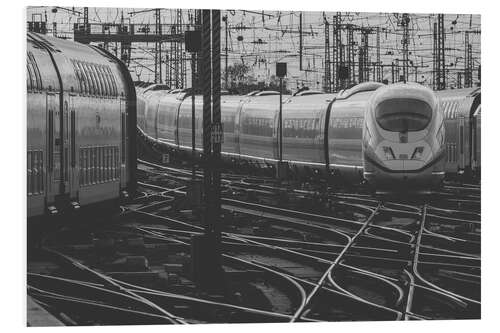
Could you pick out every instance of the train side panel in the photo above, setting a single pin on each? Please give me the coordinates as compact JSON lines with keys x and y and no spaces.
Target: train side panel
{"x":168,"y":112}
{"x":303,"y":131}
{"x":229,"y":109}
{"x":89,"y":116}
{"x":459,"y":107}
{"x":258,"y":129}
{"x":42,"y":85}
{"x":345,"y":133}
{"x":185,"y":124}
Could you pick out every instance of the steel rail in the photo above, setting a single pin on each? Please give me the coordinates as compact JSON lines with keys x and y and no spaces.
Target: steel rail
{"x":322,"y":280}
{"x":110,"y":281}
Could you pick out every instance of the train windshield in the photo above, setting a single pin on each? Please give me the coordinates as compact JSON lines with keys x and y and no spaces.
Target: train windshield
{"x":403,"y":115}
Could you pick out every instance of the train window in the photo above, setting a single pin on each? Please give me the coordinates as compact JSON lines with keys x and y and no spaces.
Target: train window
{"x":90,"y":77}
{"x":34,"y":84}
{"x":403,"y":115}
{"x":110,"y":81}
{"x":76,"y":69}
{"x":28,"y":77}
{"x":98,"y":70}
{"x":100,"y":73}
{"x":97,"y":85}
{"x":96,"y":79}
{"x":37,"y":79}
{"x":105,"y":80}
{"x":113,"y":82}
{"x":82,"y":78}
{"x":85,"y":78}
{"x":95,"y":71}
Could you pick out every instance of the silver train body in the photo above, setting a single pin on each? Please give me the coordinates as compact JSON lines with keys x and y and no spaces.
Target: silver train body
{"x":322,"y":133}
{"x":80,"y":111}
{"x":462,"y":113}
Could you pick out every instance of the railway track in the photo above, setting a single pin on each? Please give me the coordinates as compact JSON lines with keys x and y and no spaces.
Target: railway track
{"x":355,"y":256}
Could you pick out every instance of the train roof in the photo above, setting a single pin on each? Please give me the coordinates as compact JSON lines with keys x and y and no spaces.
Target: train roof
{"x":458,"y":93}
{"x":405,"y":90}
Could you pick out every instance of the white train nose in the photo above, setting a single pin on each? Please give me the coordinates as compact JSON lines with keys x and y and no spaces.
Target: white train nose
{"x":404,"y":165}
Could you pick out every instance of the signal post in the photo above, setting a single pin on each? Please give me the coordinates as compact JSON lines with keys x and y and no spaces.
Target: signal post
{"x":206,"y":248}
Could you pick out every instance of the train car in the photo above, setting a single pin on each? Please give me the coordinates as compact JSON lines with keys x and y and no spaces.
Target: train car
{"x":462,"y":112}
{"x":81,"y":107}
{"x":345,"y":131}
{"x":403,"y":138}
{"x":304,"y":121}
{"x":184,"y":122}
{"x":353,"y":135}
{"x":143,"y":91}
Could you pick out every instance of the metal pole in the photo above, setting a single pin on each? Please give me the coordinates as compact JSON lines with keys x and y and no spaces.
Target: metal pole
{"x":281,"y":121}
{"x":226,"y":54}
{"x":193,"y":113}
{"x":207,"y":110}
{"x":216,"y":122}
{"x":300,"y":41}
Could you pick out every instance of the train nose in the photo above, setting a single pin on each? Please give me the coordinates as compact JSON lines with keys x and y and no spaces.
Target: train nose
{"x":400,"y":174}
{"x":404,"y":165}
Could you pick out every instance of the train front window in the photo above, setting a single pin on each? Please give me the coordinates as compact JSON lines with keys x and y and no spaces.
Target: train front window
{"x":403,"y":115}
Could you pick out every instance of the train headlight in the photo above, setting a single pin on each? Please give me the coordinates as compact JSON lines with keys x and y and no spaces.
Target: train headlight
{"x":417,"y":153}
{"x":389,"y":154}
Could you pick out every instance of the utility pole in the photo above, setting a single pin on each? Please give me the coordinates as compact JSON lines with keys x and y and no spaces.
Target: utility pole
{"x":282,"y":168}
{"x":206,"y":248}
{"x":392,"y":72}
{"x":364,"y":67}
{"x":192,"y":40}
{"x":337,"y":51}
{"x":379,"y":64}
{"x":468,"y":62}
{"x":405,"y":41}
{"x":86,"y":19}
{"x":434,"y":57}
{"x":216,"y":119}
{"x":226,"y":75}
{"x":300,"y":41}
{"x":328,"y":71}
{"x":350,"y":54}
{"x":441,"y":62}
{"x":158,"y":78}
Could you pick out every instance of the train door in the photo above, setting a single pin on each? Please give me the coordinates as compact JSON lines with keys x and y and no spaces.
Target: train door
{"x":124,"y":143}
{"x":475,"y":137}
{"x":461,"y":142}
{"x":73,"y":175}
{"x":54,"y":147}
{"x":176,"y":122}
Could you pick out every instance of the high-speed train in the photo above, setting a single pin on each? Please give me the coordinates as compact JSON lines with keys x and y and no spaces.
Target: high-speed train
{"x":81,"y":108}
{"x":404,"y":137}
{"x":387,"y":135}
